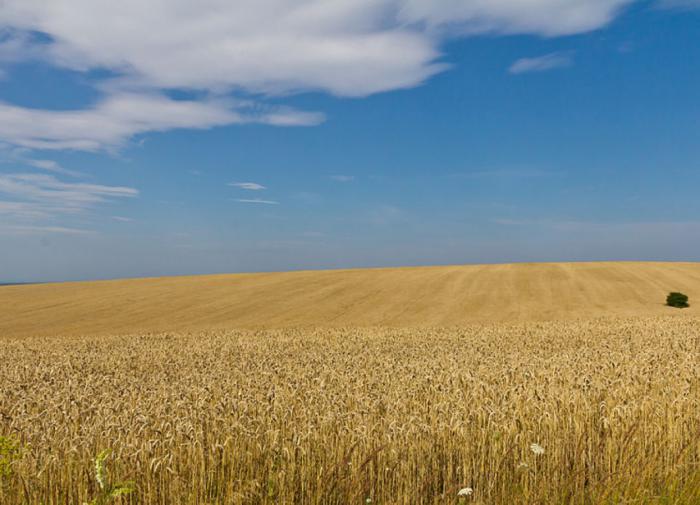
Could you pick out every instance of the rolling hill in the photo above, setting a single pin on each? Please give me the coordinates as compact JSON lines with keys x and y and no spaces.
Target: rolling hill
{"x":416,"y":296}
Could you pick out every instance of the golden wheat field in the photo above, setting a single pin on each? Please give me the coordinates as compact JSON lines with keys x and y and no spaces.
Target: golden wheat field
{"x":395,"y":297}
{"x":569,"y":410}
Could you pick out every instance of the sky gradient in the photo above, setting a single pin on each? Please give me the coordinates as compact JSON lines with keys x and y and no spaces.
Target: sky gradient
{"x":284,"y":135}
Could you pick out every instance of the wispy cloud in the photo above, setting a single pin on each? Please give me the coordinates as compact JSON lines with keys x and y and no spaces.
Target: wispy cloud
{"x":385,"y":214}
{"x":342,"y":178}
{"x":47,"y":188}
{"x":28,"y":200}
{"x":121,"y":116}
{"x":542,"y":63}
{"x":42,"y":230}
{"x":515,"y":173}
{"x":257,"y":200}
{"x":29,"y":211}
{"x":122,"y":219}
{"x":252,"y":186}
{"x":51,"y":166}
{"x":22,"y":156}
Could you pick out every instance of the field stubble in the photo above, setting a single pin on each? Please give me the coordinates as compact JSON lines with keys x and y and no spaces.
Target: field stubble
{"x":341,"y":416}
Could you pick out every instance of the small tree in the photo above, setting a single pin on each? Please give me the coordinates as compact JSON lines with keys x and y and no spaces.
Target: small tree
{"x":678,"y":300}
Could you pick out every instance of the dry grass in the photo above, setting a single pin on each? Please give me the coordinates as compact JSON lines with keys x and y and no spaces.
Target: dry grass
{"x":399,"y":297}
{"x":339,"y":416}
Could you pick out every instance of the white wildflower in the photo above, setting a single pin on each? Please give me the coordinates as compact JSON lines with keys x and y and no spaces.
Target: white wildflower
{"x":467,"y":491}
{"x":537,"y":449}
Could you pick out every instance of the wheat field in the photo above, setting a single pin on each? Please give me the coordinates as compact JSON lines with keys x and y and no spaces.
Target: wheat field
{"x":587,"y":410}
{"x":395,"y":297}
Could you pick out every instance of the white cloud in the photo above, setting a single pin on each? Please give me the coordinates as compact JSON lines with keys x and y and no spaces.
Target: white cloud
{"x":21,"y":156}
{"x":252,"y":186}
{"x":117,"y":118}
{"x":47,"y":188}
{"x":28,"y":210}
{"x":42,"y":230}
{"x":345,"y":47}
{"x":542,"y":17}
{"x":122,"y":219}
{"x":541,"y":63}
{"x":385,"y":214}
{"x":514,"y":173}
{"x":257,"y":200}
{"x":51,"y":166}
{"x":342,"y":178}
{"x":264,"y":47}
{"x":27,"y":198}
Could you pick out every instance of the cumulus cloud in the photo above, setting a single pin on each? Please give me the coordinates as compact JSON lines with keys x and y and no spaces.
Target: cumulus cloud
{"x":542,"y":17}
{"x":252,"y":186}
{"x":541,"y":63}
{"x":261,"y":47}
{"x":347,"y":47}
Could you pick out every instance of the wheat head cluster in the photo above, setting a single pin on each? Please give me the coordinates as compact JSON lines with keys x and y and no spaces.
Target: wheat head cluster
{"x":597,"y":411}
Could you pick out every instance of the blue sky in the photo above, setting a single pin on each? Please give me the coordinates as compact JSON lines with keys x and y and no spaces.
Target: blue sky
{"x":201,"y":137}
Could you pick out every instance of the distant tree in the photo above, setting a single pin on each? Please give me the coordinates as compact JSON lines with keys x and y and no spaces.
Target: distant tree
{"x":678,"y":300}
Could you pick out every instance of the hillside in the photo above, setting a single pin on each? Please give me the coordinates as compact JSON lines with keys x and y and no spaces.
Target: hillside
{"x":425,"y":296}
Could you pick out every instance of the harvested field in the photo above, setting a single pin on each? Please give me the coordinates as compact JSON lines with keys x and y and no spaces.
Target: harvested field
{"x":397,"y":297}
{"x":361,"y":415}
